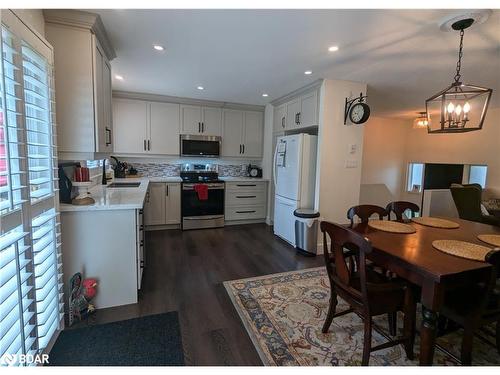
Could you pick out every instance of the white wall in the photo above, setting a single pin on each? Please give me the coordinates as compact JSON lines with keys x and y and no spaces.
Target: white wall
{"x":338,"y":187}
{"x":380,"y":164}
{"x":33,"y":18}
{"x":478,"y":147}
{"x":383,"y":169}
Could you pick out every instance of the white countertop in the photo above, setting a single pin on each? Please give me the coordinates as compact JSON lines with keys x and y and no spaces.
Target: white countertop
{"x":114,"y":198}
{"x":131,"y":198}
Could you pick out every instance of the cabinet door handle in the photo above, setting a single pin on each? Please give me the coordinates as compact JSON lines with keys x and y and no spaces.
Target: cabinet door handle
{"x":298,"y":117}
{"x":283,"y":122}
{"x":108,"y":135}
{"x":199,"y":127}
{"x":246,"y":196}
{"x":167,"y":190}
{"x":245,"y":212}
{"x":243,"y":149}
{"x":144,"y":145}
{"x":203,"y":127}
{"x":246,"y":185}
{"x":149,"y":145}
{"x":240,"y":149}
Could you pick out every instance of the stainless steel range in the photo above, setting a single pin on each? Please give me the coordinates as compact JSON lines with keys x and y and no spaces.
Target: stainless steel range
{"x":199,"y":211}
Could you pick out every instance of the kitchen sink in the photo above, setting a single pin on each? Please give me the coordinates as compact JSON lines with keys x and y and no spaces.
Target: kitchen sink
{"x":124,"y":185}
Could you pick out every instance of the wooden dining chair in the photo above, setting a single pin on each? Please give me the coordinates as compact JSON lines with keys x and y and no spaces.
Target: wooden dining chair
{"x":364,"y":212}
{"x":475,"y":306}
{"x":368,"y":293}
{"x":400,"y":208}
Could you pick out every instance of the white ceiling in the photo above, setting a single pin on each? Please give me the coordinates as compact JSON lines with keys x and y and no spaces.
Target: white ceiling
{"x":239,"y":54}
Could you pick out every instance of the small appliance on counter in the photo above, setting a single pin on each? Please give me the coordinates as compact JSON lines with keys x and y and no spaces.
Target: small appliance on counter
{"x":254,"y":171}
{"x":66,"y":193}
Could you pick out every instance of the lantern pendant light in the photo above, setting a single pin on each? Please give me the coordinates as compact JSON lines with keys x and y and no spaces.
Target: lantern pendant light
{"x":460,"y":107}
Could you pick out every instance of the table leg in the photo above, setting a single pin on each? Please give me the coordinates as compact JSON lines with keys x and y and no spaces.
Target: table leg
{"x":428,"y":336}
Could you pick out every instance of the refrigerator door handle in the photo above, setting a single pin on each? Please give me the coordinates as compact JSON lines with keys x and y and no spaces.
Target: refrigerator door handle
{"x":274,"y":163}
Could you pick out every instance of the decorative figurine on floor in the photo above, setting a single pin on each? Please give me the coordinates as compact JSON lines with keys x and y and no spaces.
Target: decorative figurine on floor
{"x":82,"y":292}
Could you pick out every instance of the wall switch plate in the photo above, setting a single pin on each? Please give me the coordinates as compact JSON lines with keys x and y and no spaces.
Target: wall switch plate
{"x":351,"y":163}
{"x":352,"y":148}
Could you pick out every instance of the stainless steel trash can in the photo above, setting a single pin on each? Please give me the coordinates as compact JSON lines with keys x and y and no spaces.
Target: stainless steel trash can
{"x":306,"y":231}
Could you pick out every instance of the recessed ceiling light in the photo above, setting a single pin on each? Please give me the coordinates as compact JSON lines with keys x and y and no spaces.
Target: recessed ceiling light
{"x":119,"y":77}
{"x":333,"y":48}
{"x":158,"y":47}
{"x":200,"y":88}
{"x":308,"y":72}
{"x":265,"y":95}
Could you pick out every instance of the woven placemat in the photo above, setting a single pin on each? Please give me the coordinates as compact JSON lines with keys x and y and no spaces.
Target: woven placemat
{"x":462,"y":249}
{"x":435,"y":222}
{"x":492,"y":239}
{"x":391,"y":226}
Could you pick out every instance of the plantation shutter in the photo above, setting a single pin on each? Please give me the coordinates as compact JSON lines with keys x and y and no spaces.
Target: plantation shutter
{"x":31,"y":308}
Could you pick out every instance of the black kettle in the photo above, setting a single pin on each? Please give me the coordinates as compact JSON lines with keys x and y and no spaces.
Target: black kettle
{"x":120,"y":168}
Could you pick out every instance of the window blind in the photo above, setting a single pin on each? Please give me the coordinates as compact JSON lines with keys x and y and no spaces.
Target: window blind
{"x":31,"y":309}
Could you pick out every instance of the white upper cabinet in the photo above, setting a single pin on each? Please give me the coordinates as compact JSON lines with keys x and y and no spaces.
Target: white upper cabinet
{"x":211,"y":121}
{"x":308,"y":115}
{"x":232,"y":136}
{"x":201,"y":120}
{"x":83,"y":81}
{"x":253,"y":135}
{"x":279,"y":118}
{"x":130,"y":130}
{"x":164,"y":128}
{"x":292,"y":113}
{"x":300,"y":112}
{"x":191,"y":119}
{"x":242,"y":134}
{"x":146,"y":127}
{"x":103,"y":111}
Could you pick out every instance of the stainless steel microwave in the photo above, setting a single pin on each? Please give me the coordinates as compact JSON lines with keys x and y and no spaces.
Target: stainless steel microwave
{"x":207,"y":146}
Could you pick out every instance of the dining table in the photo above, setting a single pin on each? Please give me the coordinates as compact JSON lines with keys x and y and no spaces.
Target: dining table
{"x":413,"y":258}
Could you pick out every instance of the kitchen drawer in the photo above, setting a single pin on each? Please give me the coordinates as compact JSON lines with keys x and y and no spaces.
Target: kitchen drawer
{"x":245,"y":213}
{"x":245,"y":198}
{"x":246,"y":186}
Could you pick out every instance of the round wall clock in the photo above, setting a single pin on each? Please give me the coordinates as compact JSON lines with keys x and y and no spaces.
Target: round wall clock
{"x":359,"y":113}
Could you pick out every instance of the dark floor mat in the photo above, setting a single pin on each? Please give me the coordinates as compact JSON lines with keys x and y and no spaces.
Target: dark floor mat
{"x":153,"y":340}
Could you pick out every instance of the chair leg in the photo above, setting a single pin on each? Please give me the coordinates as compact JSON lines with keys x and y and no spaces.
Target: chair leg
{"x":466,"y":353}
{"x":410,"y":312}
{"x":393,"y":323}
{"x":367,"y":341}
{"x":331,"y":312}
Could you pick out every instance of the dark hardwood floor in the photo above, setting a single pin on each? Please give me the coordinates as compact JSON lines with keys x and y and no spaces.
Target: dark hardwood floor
{"x":184,"y":272}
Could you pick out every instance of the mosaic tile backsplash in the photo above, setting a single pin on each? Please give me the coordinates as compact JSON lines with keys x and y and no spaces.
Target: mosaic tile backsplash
{"x":173,"y":170}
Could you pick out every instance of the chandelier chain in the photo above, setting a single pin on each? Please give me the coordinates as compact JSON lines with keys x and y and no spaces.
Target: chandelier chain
{"x":460,"y":54}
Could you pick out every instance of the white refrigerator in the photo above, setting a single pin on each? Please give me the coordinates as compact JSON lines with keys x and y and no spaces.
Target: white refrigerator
{"x":294,"y":172}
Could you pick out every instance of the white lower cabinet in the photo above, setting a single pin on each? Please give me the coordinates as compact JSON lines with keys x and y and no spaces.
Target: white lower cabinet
{"x":245,"y":201}
{"x":173,"y":203}
{"x":163,"y":204}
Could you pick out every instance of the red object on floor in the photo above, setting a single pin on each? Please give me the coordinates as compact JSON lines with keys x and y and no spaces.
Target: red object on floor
{"x":202,"y":191}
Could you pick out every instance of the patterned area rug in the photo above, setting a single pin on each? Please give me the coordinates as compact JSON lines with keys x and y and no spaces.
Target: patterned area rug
{"x":284,"y":313}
